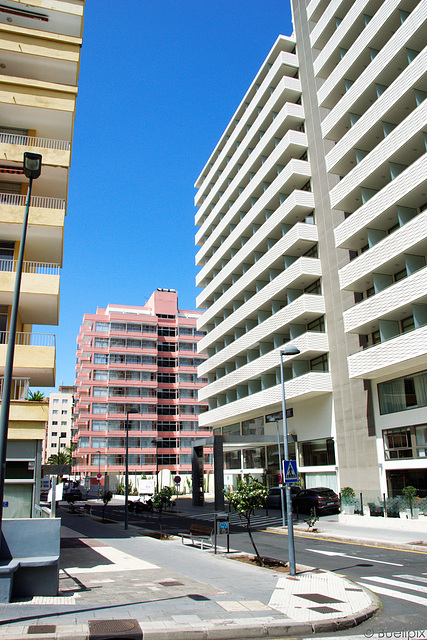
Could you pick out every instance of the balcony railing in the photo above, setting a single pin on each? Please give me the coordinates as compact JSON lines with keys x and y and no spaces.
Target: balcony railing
{"x":42,"y":202}
{"x":19,"y":389}
{"x":30,"y":339}
{"x":40,"y":268}
{"x":30,"y":141}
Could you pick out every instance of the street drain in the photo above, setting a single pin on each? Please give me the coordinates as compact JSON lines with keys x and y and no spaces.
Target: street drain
{"x":114,"y":630}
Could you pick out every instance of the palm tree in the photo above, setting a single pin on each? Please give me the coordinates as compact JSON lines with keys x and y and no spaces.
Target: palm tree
{"x":59,"y":458}
{"x":36,"y":396}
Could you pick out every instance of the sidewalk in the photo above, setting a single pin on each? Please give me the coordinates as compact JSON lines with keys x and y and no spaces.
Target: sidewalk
{"x":128,"y":583}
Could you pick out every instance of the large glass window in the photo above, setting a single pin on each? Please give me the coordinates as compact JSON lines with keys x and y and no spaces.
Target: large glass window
{"x":316,"y":452}
{"x":254,"y":458}
{"x":404,"y":393}
{"x":254,"y":427}
{"x":232,"y":460}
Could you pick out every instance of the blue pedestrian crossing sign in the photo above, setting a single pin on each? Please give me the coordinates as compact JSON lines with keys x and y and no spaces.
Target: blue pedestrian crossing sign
{"x":290,"y":470}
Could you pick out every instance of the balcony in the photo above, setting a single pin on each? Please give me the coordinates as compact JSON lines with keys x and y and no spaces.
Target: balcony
{"x":406,"y":352}
{"x":54,"y":152}
{"x":45,"y":225}
{"x":39,"y":296}
{"x":309,"y":385}
{"x":34,"y":357}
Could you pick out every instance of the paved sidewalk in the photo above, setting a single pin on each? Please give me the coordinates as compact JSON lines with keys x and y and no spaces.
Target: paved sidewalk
{"x":167,"y":590}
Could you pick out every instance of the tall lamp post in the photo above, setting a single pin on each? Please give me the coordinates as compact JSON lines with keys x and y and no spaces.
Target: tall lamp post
{"x":32,"y":167}
{"x":99,"y":469}
{"x":155,"y":441}
{"x":127,"y":468}
{"x":288,"y":351}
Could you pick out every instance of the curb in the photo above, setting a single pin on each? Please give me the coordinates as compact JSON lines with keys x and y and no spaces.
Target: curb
{"x":224,"y":629}
{"x":323,"y":535}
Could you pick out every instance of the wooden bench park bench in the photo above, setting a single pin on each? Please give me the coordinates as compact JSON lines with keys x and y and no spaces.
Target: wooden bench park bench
{"x":198,"y":533}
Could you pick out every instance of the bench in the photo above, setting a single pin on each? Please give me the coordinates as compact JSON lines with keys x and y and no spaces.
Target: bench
{"x":29,"y":558}
{"x":198,"y":533}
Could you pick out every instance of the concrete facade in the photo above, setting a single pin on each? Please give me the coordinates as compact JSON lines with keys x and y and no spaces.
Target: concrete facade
{"x":311,"y":234}
{"x":39,"y":70}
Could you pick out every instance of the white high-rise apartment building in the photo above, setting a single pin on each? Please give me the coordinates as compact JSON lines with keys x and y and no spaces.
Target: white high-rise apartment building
{"x":313,"y":233}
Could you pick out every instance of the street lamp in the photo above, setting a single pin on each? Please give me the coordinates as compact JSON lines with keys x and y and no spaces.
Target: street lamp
{"x":133,"y":410}
{"x":99,"y":469}
{"x":32,"y":165}
{"x":155,"y":441}
{"x":288,"y":351}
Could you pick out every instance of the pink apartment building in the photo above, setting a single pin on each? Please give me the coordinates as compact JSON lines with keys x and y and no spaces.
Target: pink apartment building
{"x":139,"y":362}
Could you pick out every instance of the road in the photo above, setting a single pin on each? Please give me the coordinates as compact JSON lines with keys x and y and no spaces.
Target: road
{"x":398,"y":577}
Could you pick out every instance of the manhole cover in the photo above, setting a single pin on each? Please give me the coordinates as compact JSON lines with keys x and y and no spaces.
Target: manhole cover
{"x":110,"y":629}
{"x":41,"y":628}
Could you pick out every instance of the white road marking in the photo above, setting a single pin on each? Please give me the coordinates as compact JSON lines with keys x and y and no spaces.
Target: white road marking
{"x":382,"y":591}
{"x":414,"y":578}
{"x":344,"y":555}
{"x":396,"y":583}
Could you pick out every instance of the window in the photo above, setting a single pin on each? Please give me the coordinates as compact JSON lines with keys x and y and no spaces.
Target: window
{"x":166,"y":362}
{"x":99,"y":408}
{"x":314,"y":288}
{"x":53,"y":445}
{"x":100,"y":375}
{"x":404,"y":393}
{"x":167,"y":378}
{"x":320,"y":363}
{"x":166,"y":346}
{"x":316,"y":452}
{"x":397,"y":444}
{"x":166,"y":443}
{"x":55,"y":400}
{"x":84,"y":443}
{"x":317,"y":325}
{"x":102,"y":327}
{"x":99,"y":392}
{"x":55,"y":411}
{"x":166,"y":331}
{"x":167,"y":459}
{"x":185,"y":331}
{"x":64,"y":401}
{"x":134,"y":327}
{"x":63,"y":434}
{"x":101,"y":343}
{"x":167,"y":425}
{"x":166,"y":410}
{"x":99,"y":425}
{"x":54,"y":434}
{"x":54,"y":422}
{"x":166,"y":394}
{"x":98,"y":443}
{"x":64,"y":412}
{"x":63,"y":423}
{"x":100,"y":358}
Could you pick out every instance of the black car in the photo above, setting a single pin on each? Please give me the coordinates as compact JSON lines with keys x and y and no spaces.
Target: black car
{"x":318,"y":500}
{"x":273,"y":499}
{"x":72,"y":495}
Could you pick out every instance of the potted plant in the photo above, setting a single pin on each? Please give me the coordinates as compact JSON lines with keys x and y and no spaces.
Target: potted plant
{"x":347,"y":500}
{"x":410,"y":493}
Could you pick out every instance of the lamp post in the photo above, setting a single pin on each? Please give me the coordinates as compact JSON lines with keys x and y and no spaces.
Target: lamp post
{"x":99,"y":469}
{"x":127,"y":468}
{"x":155,"y":442}
{"x":288,"y":351}
{"x":32,"y":166}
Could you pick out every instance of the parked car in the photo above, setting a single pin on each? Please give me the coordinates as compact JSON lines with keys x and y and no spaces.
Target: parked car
{"x":140,"y":505}
{"x":273,"y":499}
{"x":72,"y":495}
{"x":318,"y":499}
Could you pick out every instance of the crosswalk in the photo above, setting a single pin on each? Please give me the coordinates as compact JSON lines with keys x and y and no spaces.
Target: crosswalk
{"x":258,"y":521}
{"x":400,"y":586}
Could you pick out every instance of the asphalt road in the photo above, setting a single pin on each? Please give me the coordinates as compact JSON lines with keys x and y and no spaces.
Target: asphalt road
{"x":399,"y":578}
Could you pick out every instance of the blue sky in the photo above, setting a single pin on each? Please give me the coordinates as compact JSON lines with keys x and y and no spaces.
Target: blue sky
{"x":159,"y":82}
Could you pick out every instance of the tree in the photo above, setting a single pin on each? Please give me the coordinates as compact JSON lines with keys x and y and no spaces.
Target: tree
{"x":36,"y":396}
{"x":106,"y":499}
{"x":247,"y":498}
{"x":410,"y":494}
{"x":162,"y":499}
{"x":59,"y":458}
